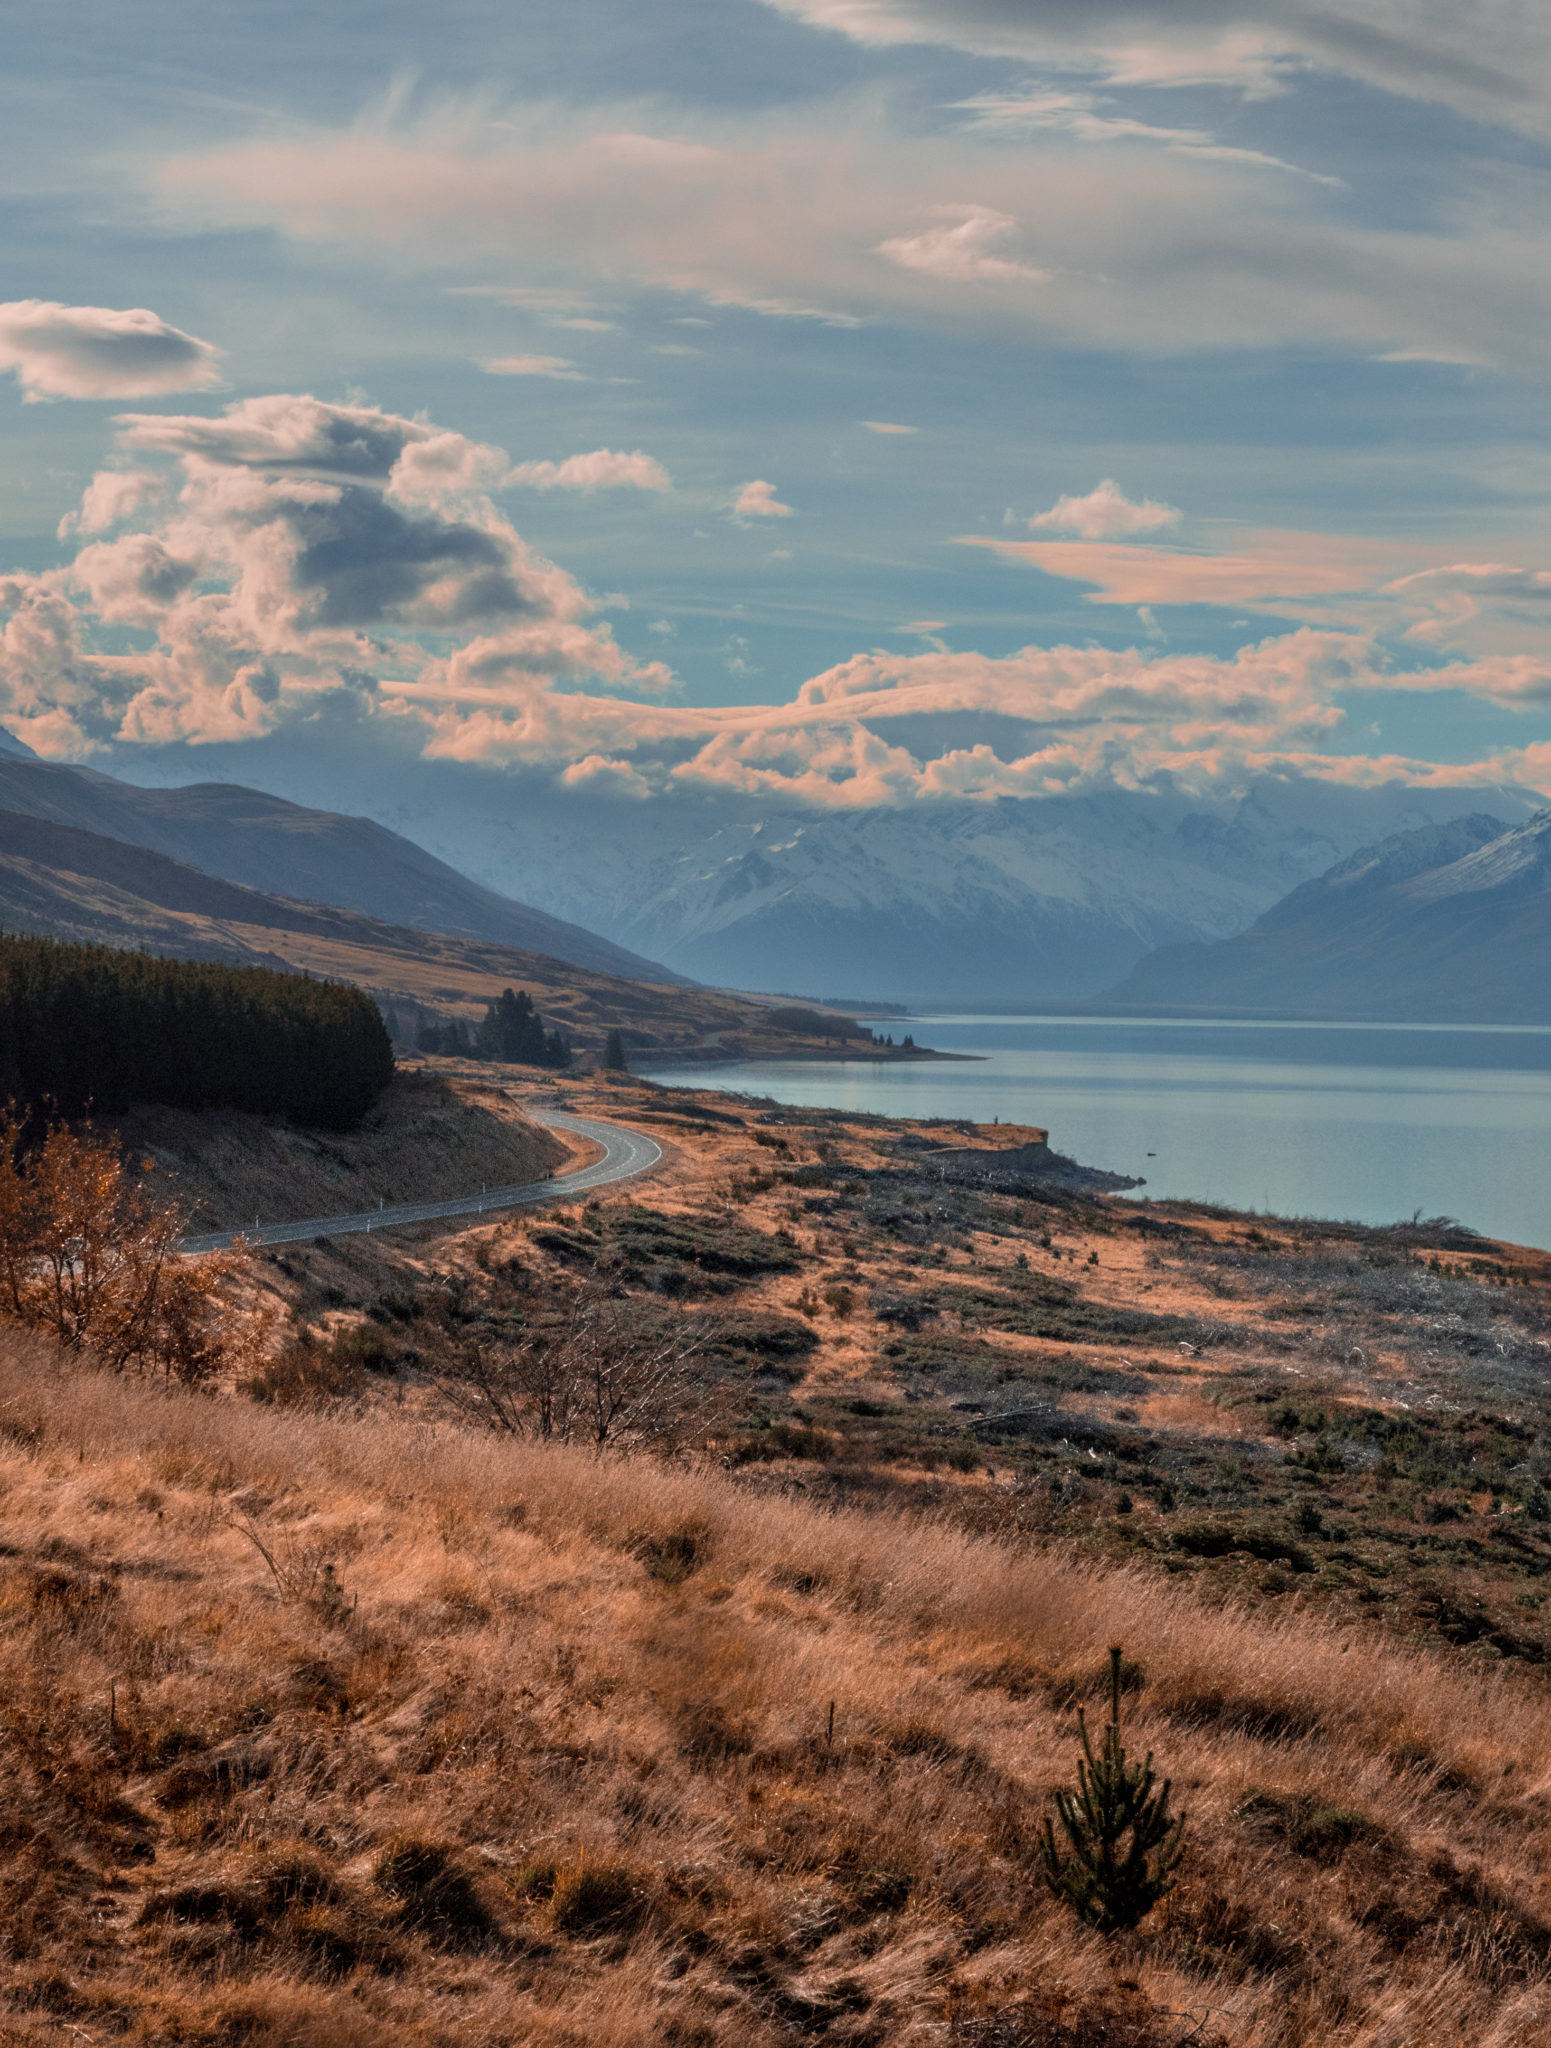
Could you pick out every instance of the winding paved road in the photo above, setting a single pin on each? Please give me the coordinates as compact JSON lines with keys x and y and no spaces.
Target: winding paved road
{"x":625,"y":1154}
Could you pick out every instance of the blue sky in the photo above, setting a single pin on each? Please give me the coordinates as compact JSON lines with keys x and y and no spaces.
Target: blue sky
{"x":891,"y":343}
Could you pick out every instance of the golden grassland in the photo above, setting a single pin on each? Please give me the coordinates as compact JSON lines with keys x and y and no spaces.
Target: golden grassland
{"x":350,"y":1728}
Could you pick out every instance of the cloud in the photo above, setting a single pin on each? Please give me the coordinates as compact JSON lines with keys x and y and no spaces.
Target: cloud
{"x":1492,"y":61}
{"x":290,"y":561}
{"x":844,"y":219}
{"x":560,"y":367}
{"x":1267,"y":566}
{"x":601,"y":470}
{"x":757,"y":500}
{"x":1106,"y":513}
{"x":282,"y":432}
{"x":295,"y":555}
{"x":1080,"y":114}
{"x":888,"y":427}
{"x":112,"y":496}
{"x":602,"y":777}
{"x":1454,"y":595}
{"x":100,"y":352}
{"x":959,"y":250}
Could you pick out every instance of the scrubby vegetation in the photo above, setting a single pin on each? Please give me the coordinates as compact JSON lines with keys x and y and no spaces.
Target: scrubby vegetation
{"x":90,"y":1027}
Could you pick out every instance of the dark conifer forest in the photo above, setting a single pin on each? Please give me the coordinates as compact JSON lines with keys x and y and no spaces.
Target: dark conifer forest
{"x":89,"y":1027}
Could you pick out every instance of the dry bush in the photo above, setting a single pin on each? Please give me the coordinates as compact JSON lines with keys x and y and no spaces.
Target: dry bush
{"x":600,"y":1373}
{"x":89,"y":1257}
{"x":565,"y":1771}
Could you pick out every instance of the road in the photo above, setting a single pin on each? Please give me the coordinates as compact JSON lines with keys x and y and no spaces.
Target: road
{"x":625,"y":1154}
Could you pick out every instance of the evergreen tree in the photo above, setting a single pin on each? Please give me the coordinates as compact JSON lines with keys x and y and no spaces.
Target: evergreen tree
{"x":512,"y":1031}
{"x":91,"y":1025}
{"x":1122,"y":1843}
{"x":557,"y":1051}
{"x":614,"y":1061}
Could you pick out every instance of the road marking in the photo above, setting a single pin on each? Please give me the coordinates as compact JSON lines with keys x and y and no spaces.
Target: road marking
{"x":626,"y":1153}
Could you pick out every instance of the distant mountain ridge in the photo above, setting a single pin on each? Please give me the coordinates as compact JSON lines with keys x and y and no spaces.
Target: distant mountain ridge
{"x":255,"y":841}
{"x":1447,"y":924}
{"x":1014,"y":901}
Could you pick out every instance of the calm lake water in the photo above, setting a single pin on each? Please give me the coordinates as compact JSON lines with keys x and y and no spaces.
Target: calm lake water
{"x":1371,"y":1122}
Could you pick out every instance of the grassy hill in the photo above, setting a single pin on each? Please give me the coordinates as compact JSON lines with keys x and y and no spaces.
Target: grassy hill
{"x":327,"y":1732}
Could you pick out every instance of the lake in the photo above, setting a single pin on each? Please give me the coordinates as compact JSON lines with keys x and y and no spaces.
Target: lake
{"x":1371,"y":1122}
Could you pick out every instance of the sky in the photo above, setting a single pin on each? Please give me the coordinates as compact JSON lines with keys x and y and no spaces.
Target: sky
{"x":835,"y":401}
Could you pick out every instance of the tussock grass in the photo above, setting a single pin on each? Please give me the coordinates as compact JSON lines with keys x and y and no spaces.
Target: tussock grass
{"x":515,"y":1779}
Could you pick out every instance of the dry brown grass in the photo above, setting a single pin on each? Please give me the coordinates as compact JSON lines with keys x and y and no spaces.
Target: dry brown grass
{"x":462,"y":1763}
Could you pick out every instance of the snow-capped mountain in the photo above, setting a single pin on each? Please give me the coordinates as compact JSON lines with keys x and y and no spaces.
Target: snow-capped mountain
{"x":1014,"y":901}
{"x":1450,"y":924}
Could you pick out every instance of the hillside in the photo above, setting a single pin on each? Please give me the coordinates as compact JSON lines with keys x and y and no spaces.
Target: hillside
{"x":335,"y":1712}
{"x":326,"y":1732}
{"x":69,"y":883}
{"x":1446,"y":925}
{"x":261,"y":842}
{"x":425,"y":1139}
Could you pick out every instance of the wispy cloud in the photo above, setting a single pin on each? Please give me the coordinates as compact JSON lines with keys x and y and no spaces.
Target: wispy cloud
{"x":532,"y":366}
{"x":847,"y":221}
{"x":959,"y":249}
{"x":1491,"y":61}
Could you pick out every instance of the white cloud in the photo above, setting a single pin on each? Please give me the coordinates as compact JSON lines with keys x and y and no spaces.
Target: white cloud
{"x":1106,"y":513}
{"x":299,"y":555}
{"x":532,"y":366}
{"x":888,"y":427}
{"x":100,"y":352}
{"x":601,"y":470}
{"x":112,"y":496}
{"x":757,"y":500}
{"x":959,"y":251}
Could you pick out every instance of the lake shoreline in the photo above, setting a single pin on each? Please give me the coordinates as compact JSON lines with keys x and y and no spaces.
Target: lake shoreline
{"x":1291,"y":1117}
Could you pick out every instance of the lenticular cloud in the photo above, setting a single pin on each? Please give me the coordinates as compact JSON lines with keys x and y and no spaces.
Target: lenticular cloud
{"x":100,"y":352}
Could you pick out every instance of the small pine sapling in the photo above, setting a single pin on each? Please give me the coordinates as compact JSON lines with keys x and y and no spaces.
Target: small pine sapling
{"x":1121,"y":1844}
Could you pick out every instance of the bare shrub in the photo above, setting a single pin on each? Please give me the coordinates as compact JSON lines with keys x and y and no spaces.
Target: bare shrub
{"x":602,"y":1374}
{"x":89,"y":1257}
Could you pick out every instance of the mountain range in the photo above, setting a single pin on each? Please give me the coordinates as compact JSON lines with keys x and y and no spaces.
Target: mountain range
{"x":1014,"y":901}
{"x":1447,"y":924}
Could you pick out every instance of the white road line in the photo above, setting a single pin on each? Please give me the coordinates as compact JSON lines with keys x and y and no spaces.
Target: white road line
{"x":625,"y":1154}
